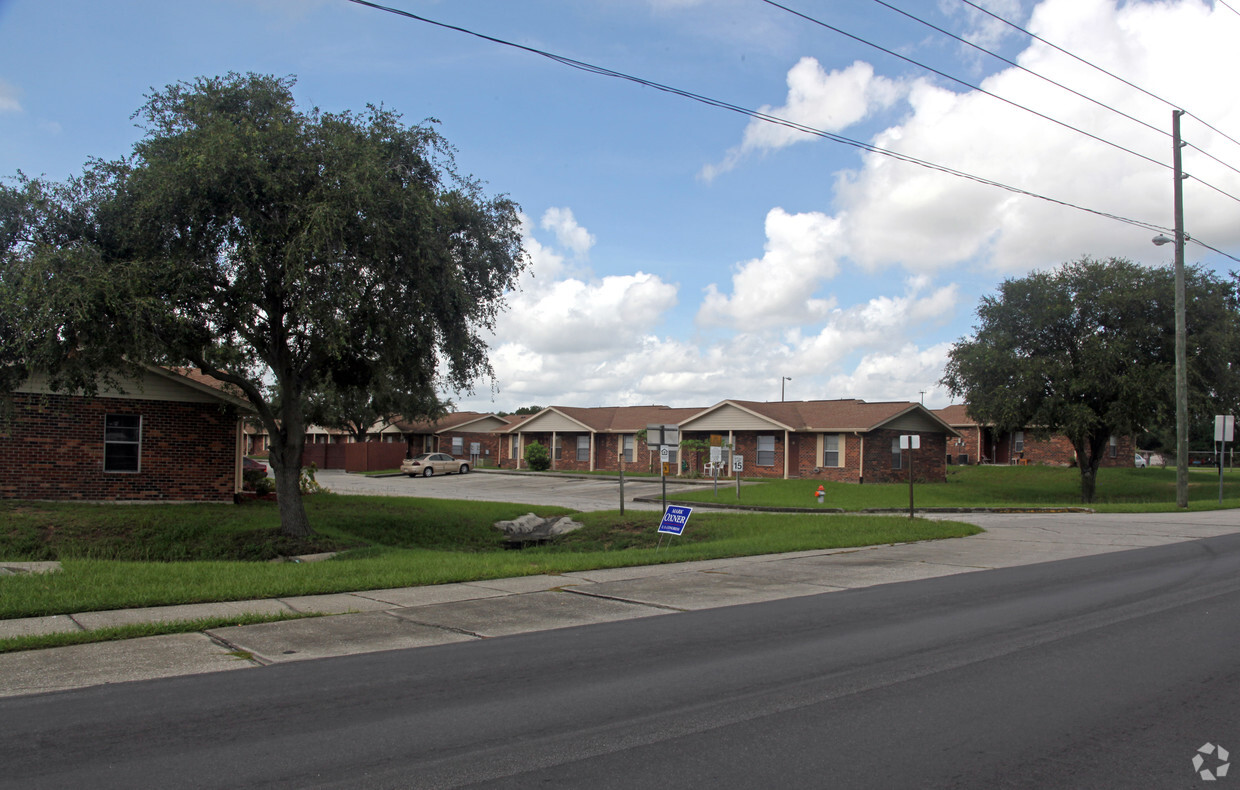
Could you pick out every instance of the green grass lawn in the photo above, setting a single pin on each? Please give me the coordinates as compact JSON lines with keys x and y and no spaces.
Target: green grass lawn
{"x":118,"y":556}
{"x":994,"y":486}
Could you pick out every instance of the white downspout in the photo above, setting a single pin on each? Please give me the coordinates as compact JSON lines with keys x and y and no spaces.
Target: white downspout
{"x":860,"y":457}
{"x":785,"y":455}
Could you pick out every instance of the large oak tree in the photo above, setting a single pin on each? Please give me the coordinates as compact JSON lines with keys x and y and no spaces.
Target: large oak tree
{"x":281,"y":250}
{"x":1088,"y":351}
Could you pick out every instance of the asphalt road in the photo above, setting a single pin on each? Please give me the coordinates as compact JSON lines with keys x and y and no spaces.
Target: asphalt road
{"x":1103,"y":672}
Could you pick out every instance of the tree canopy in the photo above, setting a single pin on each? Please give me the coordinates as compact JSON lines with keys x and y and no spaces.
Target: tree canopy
{"x":1088,"y":350}
{"x":284,"y":251}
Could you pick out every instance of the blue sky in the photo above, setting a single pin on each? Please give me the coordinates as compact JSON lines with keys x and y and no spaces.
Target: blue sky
{"x":682,"y":254}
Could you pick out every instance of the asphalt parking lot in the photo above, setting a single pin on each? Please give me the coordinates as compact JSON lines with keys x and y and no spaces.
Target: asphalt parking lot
{"x":577,"y":493}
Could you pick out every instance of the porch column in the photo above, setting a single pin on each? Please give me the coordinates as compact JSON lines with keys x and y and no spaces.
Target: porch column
{"x":591,"y":451}
{"x":238,"y":459}
{"x":785,"y":455}
{"x":731,"y":451}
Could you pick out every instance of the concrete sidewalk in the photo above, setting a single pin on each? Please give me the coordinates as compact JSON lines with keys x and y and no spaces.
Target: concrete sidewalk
{"x":373,"y":620}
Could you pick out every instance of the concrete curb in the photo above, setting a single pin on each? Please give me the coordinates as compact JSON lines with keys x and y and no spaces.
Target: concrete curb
{"x":873,"y":511}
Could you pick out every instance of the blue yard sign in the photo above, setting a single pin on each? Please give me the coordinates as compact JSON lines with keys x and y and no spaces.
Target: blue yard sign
{"x":675,"y":519}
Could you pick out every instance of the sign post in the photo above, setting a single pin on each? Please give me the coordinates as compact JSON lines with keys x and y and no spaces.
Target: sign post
{"x":910,"y":442}
{"x":738,"y":466}
{"x":665,"y":437}
{"x":1224,"y":431}
{"x":716,"y":458}
{"x":664,"y":455}
{"x":620,"y":463}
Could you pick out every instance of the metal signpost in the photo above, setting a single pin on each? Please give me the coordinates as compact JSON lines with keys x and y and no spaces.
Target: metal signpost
{"x":738,"y":466}
{"x":664,"y":455}
{"x":665,"y":437}
{"x":716,"y":459}
{"x":620,"y":463}
{"x":475,"y":450}
{"x":910,"y":442}
{"x":1224,"y":430}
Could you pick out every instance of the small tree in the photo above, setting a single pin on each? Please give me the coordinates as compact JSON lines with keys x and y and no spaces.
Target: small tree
{"x":537,"y":457}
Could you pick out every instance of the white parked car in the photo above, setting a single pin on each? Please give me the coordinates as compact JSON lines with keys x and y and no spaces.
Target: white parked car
{"x":1140,"y":462}
{"x":428,"y":464}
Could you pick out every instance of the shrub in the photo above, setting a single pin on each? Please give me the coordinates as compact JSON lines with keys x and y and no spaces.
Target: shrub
{"x":537,"y":457}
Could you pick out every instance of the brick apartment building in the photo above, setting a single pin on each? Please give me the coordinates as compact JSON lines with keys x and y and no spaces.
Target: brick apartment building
{"x":159,"y":436}
{"x":982,"y":443}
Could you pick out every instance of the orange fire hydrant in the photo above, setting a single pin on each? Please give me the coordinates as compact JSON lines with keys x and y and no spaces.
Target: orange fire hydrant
{"x":821,"y":494}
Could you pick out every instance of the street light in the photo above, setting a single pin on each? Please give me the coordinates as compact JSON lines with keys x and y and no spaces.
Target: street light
{"x":782,"y":379}
{"x":1181,"y":330}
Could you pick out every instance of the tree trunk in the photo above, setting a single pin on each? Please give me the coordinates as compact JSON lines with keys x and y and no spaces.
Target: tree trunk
{"x":285,"y":457}
{"x":1089,"y":458}
{"x":1089,"y":483}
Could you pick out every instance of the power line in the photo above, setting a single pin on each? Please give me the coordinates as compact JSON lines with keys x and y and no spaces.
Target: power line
{"x":606,"y":72}
{"x":982,"y":90}
{"x":1229,"y":8}
{"x":1057,"y":48}
{"x":1042,"y":77}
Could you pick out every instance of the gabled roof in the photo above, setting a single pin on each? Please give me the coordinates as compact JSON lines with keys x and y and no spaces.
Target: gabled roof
{"x":201,"y":382}
{"x":607,"y":419}
{"x":842,"y":416}
{"x":817,"y":416}
{"x":957,"y":416}
{"x":456,"y":421}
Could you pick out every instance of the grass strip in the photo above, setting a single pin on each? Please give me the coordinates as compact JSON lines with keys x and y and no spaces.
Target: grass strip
{"x":15,"y":644}
{"x":1118,"y":490}
{"x":608,"y":540}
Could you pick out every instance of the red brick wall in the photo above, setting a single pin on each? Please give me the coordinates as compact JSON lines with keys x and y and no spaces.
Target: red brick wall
{"x":488,"y":450}
{"x":929,"y":461}
{"x":53,"y":449}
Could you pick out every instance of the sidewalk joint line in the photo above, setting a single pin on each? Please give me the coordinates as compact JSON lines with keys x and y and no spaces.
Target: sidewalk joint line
{"x":624,"y":600}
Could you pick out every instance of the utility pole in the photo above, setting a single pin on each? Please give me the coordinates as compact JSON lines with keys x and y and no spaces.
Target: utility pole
{"x":1181,"y":329}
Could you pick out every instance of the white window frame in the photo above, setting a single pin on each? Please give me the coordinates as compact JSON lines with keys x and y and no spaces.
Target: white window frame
{"x":1018,"y":442}
{"x":897,"y":455}
{"x":458,"y":446}
{"x":114,"y":442}
{"x":827,"y":439}
{"x":628,"y":447}
{"x":759,"y":451}
{"x":583,"y":447}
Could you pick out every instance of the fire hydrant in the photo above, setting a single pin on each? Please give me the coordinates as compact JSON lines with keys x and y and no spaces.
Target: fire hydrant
{"x":821,"y":494}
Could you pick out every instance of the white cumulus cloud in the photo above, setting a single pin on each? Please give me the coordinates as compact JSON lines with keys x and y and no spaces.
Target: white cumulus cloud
{"x":820,"y":100}
{"x":567,"y":232}
{"x":802,"y":251}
